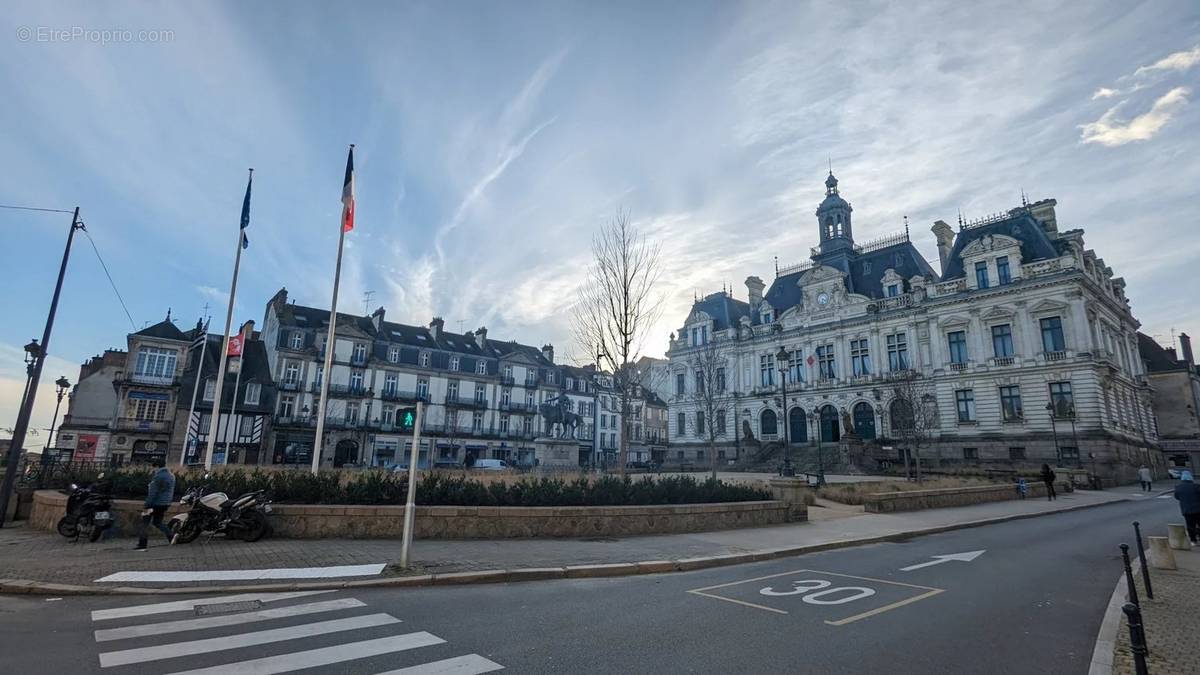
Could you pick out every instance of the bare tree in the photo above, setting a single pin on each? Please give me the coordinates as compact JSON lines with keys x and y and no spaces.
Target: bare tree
{"x":709,"y":395}
{"x":914,"y":413}
{"x":617,"y":307}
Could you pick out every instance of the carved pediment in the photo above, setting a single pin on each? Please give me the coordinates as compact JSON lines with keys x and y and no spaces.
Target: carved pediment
{"x":1048,"y":305}
{"x":1000,"y":312}
{"x":989,"y":243}
{"x":956,"y":321}
{"x":697,"y":316}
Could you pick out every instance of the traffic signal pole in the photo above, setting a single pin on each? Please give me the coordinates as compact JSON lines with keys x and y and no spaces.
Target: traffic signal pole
{"x":410,"y":503}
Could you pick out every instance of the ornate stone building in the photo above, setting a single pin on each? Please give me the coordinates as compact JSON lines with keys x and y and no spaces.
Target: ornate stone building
{"x":1024,"y":347}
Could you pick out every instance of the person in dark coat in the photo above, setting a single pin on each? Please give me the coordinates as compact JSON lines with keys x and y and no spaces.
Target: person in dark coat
{"x":1048,"y":477}
{"x":1188,"y":494}
{"x":159,"y":494}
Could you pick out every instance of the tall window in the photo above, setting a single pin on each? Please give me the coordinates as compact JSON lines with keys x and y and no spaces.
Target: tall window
{"x":210,"y":389}
{"x":360,"y":353}
{"x":291,"y":373}
{"x":529,"y":399}
{"x":766,"y":369}
{"x":860,"y":357}
{"x":957,"y":341}
{"x":826,"y":366}
{"x":296,"y":339}
{"x":1010,"y":403}
{"x":394,"y":354}
{"x":506,"y":396}
{"x":699,"y":423}
{"x":148,"y":409}
{"x":423,"y":388}
{"x":352,"y":413}
{"x":389,"y":384}
{"x":1002,"y":342}
{"x":897,"y":347}
{"x":156,"y":363}
{"x":454,"y":363}
{"x":388,"y":415}
{"x":481,"y":367}
{"x":680,"y":383}
{"x":452,"y":390}
{"x":720,"y":422}
{"x":480,"y":392}
{"x":1052,"y":334}
{"x":965,"y":402}
{"x":356,"y":380}
{"x":1061,"y":398}
{"x":287,"y":405}
{"x":253,"y":391}
{"x":796,"y":365}
{"x":720,"y":384}
{"x":893,"y":290}
{"x":504,"y":423}
{"x":477,"y":421}
{"x":699,"y":381}
{"x":981,"y":275}
{"x":508,"y":372}
{"x":680,"y":424}
{"x":317,"y":378}
{"x":424,"y":359}
{"x":1003,"y":275}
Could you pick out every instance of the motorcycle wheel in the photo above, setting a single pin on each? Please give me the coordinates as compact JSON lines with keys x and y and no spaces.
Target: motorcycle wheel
{"x":97,"y":530}
{"x":68,"y":528}
{"x":186,"y":534}
{"x":256,"y":526}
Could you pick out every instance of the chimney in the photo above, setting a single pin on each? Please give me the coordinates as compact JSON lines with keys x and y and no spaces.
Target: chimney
{"x":1185,"y":345}
{"x":481,"y":337}
{"x":1043,"y":212}
{"x":377,"y":319}
{"x":755,"y":287}
{"x":436,"y":327}
{"x":548,"y":352}
{"x":945,"y":241}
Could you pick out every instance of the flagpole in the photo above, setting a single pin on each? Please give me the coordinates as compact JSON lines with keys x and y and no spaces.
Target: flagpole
{"x":195,"y":391}
{"x":237,"y":381}
{"x":216,"y":409}
{"x":329,"y":345}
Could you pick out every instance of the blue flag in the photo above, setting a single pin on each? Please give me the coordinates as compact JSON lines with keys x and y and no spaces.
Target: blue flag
{"x":246,"y":210}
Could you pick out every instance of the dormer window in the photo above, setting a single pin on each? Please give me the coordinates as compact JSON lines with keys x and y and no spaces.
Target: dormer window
{"x":981,"y":275}
{"x":767,"y":316}
{"x":893,"y":290}
{"x":1003,"y":275}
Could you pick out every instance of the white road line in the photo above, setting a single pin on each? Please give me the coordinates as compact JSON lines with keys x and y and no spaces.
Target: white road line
{"x":170,"y":651}
{"x":472,"y":664}
{"x":187,"y":605}
{"x":243,"y":575}
{"x":325,"y":656}
{"x":148,"y":629}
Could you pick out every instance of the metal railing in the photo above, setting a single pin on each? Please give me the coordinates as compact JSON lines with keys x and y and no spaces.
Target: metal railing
{"x":153,"y":426}
{"x":1003,"y":360}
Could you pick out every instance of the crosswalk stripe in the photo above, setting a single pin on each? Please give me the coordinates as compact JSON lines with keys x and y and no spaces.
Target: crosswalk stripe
{"x":187,"y":605}
{"x":325,"y":656}
{"x":471,"y":664}
{"x":148,"y":629}
{"x":169,"y":651}
{"x":241,"y":575}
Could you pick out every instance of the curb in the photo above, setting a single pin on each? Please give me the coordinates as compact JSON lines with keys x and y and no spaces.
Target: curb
{"x":24,"y":586}
{"x":1106,"y":638}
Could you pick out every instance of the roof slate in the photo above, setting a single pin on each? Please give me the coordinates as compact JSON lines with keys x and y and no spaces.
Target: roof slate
{"x":164,"y":330}
{"x":1020,"y":225}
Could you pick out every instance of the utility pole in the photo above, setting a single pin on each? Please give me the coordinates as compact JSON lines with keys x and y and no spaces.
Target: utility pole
{"x":18,"y":438}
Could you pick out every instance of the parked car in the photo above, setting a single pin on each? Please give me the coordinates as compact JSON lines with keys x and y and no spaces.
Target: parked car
{"x":490,"y":465}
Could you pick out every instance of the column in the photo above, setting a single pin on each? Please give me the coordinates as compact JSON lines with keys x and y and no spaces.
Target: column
{"x":977,"y":341}
{"x":937,"y":354}
{"x":1024,"y":329}
{"x":1080,"y":339}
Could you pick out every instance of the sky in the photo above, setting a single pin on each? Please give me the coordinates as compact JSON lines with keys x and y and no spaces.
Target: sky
{"x":495,"y":139}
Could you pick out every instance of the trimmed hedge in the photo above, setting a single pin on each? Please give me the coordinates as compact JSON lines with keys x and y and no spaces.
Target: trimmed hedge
{"x":439,"y":489}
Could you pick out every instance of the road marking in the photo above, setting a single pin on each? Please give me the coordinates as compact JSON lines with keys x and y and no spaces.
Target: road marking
{"x":939,"y":559}
{"x":170,"y":651}
{"x":700,"y":591}
{"x":472,"y":664}
{"x":190,"y":605}
{"x":325,"y":656}
{"x":242,"y":575}
{"x":885,"y":608}
{"x":148,"y":629}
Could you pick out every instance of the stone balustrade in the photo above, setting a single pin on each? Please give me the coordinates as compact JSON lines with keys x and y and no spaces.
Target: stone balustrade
{"x":914,"y":500}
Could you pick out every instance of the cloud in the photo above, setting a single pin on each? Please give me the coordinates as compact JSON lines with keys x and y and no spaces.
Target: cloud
{"x":1104,"y":92}
{"x":1179,"y":61}
{"x":1112,"y":132}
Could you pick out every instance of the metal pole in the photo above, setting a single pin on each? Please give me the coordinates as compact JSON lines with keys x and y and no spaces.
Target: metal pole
{"x":53,"y":423}
{"x":237,"y":381}
{"x":410,"y":503}
{"x":188,"y":440}
{"x":329,"y":346}
{"x":22,"y":426}
{"x":1075,"y":440}
{"x":1054,"y":430}
{"x":224,"y":363}
{"x":1132,"y":588}
{"x":788,"y":470}
{"x":1137,"y":637}
{"x":1137,"y":530}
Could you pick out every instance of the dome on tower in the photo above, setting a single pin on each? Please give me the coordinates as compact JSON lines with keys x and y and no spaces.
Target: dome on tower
{"x":831,"y":182}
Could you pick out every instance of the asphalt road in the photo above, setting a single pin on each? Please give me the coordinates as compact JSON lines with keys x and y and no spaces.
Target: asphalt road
{"x":1032,"y":602}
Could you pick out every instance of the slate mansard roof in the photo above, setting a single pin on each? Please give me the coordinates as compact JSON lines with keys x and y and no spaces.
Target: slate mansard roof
{"x":1020,"y":225}
{"x":723,"y":308}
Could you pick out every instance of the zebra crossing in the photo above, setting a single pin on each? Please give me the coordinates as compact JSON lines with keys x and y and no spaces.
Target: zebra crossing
{"x":229,"y":627}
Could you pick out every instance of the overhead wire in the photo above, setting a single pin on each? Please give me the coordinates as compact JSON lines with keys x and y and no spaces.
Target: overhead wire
{"x":110,"y":279}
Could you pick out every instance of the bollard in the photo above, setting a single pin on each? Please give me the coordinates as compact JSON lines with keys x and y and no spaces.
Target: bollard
{"x":1137,"y":637}
{"x":1177,"y":534}
{"x":1161,"y":555}
{"x":1132,"y":588}
{"x":1142,"y":557}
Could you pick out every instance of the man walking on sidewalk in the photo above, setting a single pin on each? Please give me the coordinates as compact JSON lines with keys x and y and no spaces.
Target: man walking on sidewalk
{"x":159,"y":494}
{"x":1146,"y":479}
{"x":1188,"y":494}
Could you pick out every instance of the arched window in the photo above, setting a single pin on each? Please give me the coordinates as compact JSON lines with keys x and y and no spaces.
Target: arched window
{"x":766,"y":424}
{"x":830,"y":433}
{"x":902,"y":415}
{"x":864,"y":420}
{"x":828,"y":227}
{"x":797,"y":426}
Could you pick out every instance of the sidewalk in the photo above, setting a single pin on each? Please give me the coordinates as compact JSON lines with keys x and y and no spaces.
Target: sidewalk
{"x":1171,"y":619}
{"x":49,"y":558}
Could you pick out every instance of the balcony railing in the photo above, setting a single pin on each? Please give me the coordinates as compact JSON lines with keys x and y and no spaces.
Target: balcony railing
{"x":398,"y":395}
{"x":466,"y":402}
{"x":344,"y":390}
{"x":295,"y":421}
{"x":286,"y":385}
{"x":507,"y":379}
{"x":1003,"y":360}
{"x":518,"y":406}
{"x":148,"y":380}
{"x":958,"y":366}
{"x":128,"y":424}
{"x":1056,"y":356}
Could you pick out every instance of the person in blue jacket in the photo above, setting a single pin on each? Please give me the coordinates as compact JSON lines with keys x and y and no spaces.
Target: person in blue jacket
{"x":159,"y":494}
{"x":1188,"y":494}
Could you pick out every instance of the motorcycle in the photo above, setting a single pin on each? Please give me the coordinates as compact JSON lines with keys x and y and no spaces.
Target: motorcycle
{"x":214,"y":512}
{"x":87,"y":511}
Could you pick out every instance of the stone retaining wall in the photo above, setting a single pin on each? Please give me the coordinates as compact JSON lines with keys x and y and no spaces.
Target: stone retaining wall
{"x":472,"y":522}
{"x":888,"y":502}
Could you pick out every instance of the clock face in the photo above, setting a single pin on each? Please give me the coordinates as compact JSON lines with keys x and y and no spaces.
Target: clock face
{"x":823,"y":299}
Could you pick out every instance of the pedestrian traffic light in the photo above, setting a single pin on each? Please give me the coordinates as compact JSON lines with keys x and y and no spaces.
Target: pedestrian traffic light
{"x":407,"y":418}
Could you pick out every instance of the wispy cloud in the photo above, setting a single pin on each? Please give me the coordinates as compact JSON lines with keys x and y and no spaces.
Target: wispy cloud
{"x":1111,"y":131}
{"x":1178,"y":61}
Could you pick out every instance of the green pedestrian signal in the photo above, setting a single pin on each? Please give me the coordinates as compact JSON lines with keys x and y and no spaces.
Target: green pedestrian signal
{"x":408,"y":418}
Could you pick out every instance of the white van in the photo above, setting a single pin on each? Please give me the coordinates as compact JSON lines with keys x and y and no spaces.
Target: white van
{"x":490,"y":465}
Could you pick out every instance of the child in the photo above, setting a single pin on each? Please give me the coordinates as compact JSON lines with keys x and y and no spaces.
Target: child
{"x":1022,"y":488}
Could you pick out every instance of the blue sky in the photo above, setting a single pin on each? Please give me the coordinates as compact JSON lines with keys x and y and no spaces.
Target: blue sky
{"x":495,"y":138}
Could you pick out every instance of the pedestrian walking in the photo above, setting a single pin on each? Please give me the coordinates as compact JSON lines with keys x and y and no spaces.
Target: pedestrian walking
{"x":1022,"y":488}
{"x":1048,"y":477}
{"x":159,"y":494}
{"x":1188,"y":494}
{"x":1145,"y":478}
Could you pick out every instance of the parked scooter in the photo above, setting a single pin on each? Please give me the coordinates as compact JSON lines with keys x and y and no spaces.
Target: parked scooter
{"x":87,"y":511}
{"x":242,"y":518}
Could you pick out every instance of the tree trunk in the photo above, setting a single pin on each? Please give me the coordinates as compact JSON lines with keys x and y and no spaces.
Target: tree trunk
{"x":712,"y":449}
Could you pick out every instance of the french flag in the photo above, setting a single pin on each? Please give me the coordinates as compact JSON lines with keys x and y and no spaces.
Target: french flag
{"x":348,"y":194}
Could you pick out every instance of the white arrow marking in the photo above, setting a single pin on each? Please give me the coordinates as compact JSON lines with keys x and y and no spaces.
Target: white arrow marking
{"x":939,"y":559}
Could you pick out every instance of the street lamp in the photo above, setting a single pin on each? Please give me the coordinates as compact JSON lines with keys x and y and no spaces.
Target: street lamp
{"x":1054,"y":430}
{"x":782,"y":358}
{"x":1074,"y":437}
{"x":814,"y":420}
{"x":62,"y":386}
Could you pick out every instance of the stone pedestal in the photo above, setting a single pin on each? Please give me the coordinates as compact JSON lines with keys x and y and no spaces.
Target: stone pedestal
{"x":1161,"y":555}
{"x":556,"y":453}
{"x":791,"y":491}
{"x":1178,"y":538}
